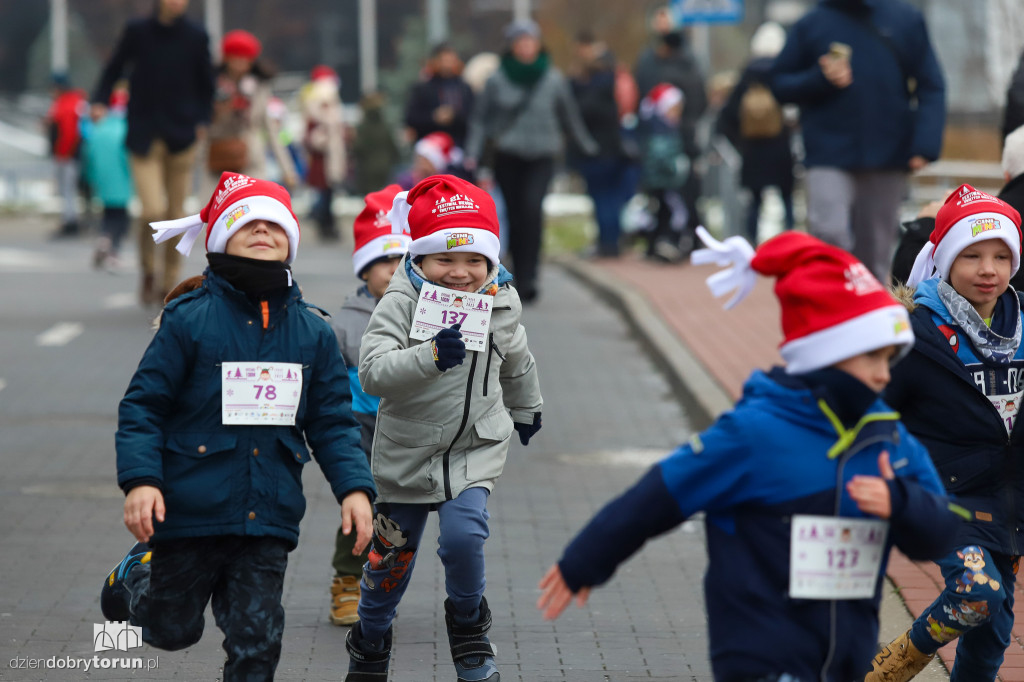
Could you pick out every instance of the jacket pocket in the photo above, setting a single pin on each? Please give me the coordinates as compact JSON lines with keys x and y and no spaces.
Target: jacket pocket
{"x":968,"y":474}
{"x":486,"y":459}
{"x":291,"y":503}
{"x":200,"y":472}
{"x":405,"y":453}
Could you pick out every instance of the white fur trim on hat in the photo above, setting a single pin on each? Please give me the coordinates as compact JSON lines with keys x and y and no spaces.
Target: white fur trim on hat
{"x":972,"y":229}
{"x":878,"y":328}
{"x":464,"y":239}
{"x":245,"y":211}
{"x":384,"y":246}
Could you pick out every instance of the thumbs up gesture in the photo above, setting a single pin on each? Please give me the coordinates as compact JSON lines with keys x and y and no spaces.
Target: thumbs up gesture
{"x":871,"y":493}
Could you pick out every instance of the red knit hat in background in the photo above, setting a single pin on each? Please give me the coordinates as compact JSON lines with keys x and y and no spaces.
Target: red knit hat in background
{"x":444,"y":214}
{"x":439,"y":149}
{"x":968,"y":216}
{"x":833,"y":308}
{"x":239,"y":43}
{"x":237,"y":200}
{"x":374,"y":235}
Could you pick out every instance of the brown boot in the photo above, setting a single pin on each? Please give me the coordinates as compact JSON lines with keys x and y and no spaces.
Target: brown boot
{"x":898,"y":662}
{"x":345,"y":600}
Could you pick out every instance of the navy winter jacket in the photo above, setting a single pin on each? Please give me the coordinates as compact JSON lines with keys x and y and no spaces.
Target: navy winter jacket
{"x":941,"y":402}
{"x":871,"y":124}
{"x":774,"y":455}
{"x":235,"y":480}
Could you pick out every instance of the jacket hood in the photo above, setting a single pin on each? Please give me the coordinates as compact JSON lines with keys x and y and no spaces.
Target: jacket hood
{"x":927,"y":295}
{"x":362,"y":301}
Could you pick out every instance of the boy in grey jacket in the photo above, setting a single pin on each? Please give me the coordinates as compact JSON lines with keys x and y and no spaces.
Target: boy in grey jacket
{"x":374,"y":259}
{"x":445,"y":419}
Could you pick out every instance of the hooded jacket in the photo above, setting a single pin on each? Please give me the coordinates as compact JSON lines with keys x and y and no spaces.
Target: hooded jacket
{"x":780,"y":452}
{"x":873,"y":124}
{"x":221,"y":479}
{"x":349,"y":326}
{"x":936,"y":390}
{"x":439,"y":433}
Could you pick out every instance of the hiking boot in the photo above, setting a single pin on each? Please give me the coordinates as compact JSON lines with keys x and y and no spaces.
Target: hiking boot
{"x":114,"y":597}
{"x":367,"y":662}
{"x":345,"y":600}
{"x":899,"y":661}
{"x":472,"y":653}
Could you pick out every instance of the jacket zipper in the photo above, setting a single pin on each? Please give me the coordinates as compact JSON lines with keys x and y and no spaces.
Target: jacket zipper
{"x":462,"y":427}
{"x":493,"y":347}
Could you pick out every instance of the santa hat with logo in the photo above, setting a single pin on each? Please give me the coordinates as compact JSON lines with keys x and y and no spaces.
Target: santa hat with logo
{"x":237,"y":200}
{"x":239,"y":43}
{"x":833,"y":308}
{"x":443,"y":214}
{"x":968,"y":216}
{"x":374,"y":234}
{"x":439,"y":149}
{"x":660,"y":99}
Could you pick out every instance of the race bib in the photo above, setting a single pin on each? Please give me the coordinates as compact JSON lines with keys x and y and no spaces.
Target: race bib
{"x":439,"y":308}
{"x":1008,"y":405}
{"x":835,"y":558}
{"x":265,"y":393}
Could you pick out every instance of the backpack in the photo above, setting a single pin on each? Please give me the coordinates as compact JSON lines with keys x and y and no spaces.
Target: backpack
{"x":760,"y":114}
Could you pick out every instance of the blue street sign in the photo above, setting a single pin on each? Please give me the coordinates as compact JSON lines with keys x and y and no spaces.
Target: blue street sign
{"x":707,"y":11}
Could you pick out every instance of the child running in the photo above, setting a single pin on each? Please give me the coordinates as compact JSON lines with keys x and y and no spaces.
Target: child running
{"x":212,"y":436}
{"x":445,"y":419}
{"x":805,"y":484}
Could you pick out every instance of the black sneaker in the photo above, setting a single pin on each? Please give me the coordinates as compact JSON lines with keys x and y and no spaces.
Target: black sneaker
{"x":114,"y":596}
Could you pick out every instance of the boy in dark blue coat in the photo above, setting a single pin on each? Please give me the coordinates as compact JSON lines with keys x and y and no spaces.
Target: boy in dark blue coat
{"x":212,"y":436}
{"x":959,"y":391}
{"x":805,"y":484}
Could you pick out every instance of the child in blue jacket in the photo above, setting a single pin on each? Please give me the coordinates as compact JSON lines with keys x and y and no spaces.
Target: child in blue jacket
{"x":376,"y":255}
{"x":212,"y":436}
{"x":959,"y":391}
{"x":805,"y":484}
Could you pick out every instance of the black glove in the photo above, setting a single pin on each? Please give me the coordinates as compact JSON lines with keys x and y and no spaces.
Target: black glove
{"x":526,"y":431}
{"x":448,"y":347}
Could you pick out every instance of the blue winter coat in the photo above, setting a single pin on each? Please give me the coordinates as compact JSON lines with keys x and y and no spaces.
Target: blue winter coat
{"x":871,"y":124}
{"x":105,"y":158}
{"x":236,"y":480}
{"x":936,"y":390}
{"x":774,"y":455}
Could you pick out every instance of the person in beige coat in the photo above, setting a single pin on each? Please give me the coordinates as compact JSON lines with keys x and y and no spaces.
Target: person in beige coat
{"x":445,"y":420}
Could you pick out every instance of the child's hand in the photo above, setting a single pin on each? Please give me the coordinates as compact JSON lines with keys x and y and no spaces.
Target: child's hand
{"x":357,"y":512}
{"x":526,"y":431}
{"x":556,"y":595}
{"x":449,"y":348}
{"x":142,"y":503}
{"x":871,"y":493}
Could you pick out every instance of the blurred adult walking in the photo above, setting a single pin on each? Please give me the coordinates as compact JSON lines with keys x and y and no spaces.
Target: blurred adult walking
{"x":872,"y":109}
{"x":324,"y":141}
{"x":753,"y":121}
{"x":443,"y":101}
{"x":62,"y":127}
{"x":609,"y":181}
{"x":242,"y":129}
{"x":171,"y":84}
{"x":522,"y":112}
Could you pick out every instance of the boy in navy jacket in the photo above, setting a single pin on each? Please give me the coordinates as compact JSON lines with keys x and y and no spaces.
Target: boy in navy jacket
{"x":805,"y":484}
{"x":212,"y":436}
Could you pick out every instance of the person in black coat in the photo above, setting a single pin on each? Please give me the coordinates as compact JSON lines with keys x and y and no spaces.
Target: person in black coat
{"x":1013,"y":113}
{"x":172,"y":84}
{"x":442,"y":102}
{"x":767,"y":160}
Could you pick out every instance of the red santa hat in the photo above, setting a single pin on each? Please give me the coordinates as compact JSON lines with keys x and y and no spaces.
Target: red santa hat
{"x":323,"y":71}
{"x":444,"y":213}
{"x":968,"y":216}
{"x":239,"y":43}
{"x":833,"y":308}
{"x":660,"y":99}
{"x":439,"y":149}
{"x":375,"y":237}
{"x":237,"y":200}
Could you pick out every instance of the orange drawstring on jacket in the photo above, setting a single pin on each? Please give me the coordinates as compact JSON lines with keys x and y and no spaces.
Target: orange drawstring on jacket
{"x":265,"y":307}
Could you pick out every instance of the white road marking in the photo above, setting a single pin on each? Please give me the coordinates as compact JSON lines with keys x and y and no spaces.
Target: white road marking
{"x":22,"y":259}
{"x":625,"y":457}
{"x":3,"y":384}
{"x":123,"y":300}
{"x":60,"y":334}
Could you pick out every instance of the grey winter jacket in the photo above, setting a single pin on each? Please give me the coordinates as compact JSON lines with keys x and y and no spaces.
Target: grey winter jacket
{"x":537,"y":131}
{"x":348,"y":326}
{"x":439,"y":433}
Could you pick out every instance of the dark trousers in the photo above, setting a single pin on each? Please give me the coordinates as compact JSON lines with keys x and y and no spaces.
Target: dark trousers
{"x":115,"y":226}
{"x":524,"y":182}
{"x":243,"y":575}
{"x":610,"y":186}
{"x":754,"y":214}
{"x":976,"y":606}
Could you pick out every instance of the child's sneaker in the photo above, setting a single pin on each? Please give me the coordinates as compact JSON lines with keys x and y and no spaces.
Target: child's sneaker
{"x":472,"y":653}
{"x":367,"y":662}
{"x":113,"y":596}
{"x":345,"y":600}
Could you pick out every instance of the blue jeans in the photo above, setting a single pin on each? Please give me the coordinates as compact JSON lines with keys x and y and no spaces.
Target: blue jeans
{"x":397,"y":532}
{"x":976,"y":606}
{"x":754,"y":214}
{"x":609,"y":186}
